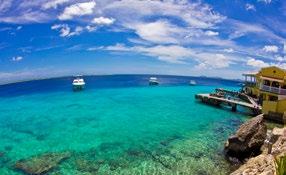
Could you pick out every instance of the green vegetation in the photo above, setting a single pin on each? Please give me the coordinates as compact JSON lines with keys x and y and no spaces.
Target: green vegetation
{"x":281,"y":165}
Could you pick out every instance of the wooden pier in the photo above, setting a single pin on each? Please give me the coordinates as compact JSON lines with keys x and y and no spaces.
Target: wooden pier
{"x":233,"y":103}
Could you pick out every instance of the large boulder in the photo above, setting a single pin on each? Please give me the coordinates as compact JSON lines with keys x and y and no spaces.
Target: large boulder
{"x":41,"y":164}
{"x":248,"y":139}
{"x":268,"y":164}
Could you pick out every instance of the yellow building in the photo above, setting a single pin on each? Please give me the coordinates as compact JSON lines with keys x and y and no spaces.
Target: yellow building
{"x":269,"y":87}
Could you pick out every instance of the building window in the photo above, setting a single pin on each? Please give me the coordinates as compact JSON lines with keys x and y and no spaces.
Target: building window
{"x":275,"y":84}
{"x":266,"y":82}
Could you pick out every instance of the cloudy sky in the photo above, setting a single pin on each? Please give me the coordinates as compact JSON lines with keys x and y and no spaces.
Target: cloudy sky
{"x":47,"y":38}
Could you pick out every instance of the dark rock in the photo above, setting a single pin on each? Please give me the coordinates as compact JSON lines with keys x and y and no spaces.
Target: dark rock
{"x":1,"y":154}
{"x":41,"y":164}
{"x":198,"y":155}
{"x":100,"y":161}
{"x":248,"y":139}
{"x":167,"y":141}
{"x":41,"y":137}
{"x":8,"y":148}
{"x":164,"y":160}
{"x":134,"y":153}
{"x":235,"y":122}
{"x":202,"y":172}
{"x":117,"y":163}
{"x":4,"y":160}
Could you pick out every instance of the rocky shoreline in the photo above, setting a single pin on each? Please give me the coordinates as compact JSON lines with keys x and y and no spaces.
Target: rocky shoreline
{"x":256,"y":149}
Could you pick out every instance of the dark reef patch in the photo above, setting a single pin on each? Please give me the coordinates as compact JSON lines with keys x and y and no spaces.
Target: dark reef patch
{"x":41,"y":164}
{"x":87,"y":166}
{"x":171,"y":139}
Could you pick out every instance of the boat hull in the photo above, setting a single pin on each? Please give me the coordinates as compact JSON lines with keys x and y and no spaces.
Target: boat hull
{"x":153,"y":83}
{"x":78,"y":87}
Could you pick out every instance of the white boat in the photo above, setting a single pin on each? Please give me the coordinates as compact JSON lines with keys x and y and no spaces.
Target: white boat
{"x":78,"y":83}
{"x":153,"y":81}
{"x":193,"y":83}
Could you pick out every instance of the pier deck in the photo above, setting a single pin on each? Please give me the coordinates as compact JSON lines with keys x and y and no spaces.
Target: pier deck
{"x":216,"y":100}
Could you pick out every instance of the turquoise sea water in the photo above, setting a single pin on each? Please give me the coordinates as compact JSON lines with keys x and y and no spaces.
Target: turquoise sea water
{"x":127,"y":130}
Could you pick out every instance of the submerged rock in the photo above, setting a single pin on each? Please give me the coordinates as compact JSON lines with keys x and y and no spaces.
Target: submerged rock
{"x":8,"y":148}
{"x":117,"y":163}
{"x":87,"y":166}
{"x":165,"y":160}
{"x":248,"y":139}
{"x":167,"y":141}
{"x":1,"y":154}
{"x":41,"y":164}
{"x":135,"y":153}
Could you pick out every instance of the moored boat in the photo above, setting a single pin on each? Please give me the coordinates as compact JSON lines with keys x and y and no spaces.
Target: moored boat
{"x":193,"y":83}
{"x":78,"y":83}
{"x":153,"y":81}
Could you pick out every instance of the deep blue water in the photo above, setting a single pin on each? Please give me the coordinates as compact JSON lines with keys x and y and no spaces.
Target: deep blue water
{"x":106,"y":81}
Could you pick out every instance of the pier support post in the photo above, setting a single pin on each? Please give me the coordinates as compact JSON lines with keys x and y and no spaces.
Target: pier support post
{"x":233,"y":108}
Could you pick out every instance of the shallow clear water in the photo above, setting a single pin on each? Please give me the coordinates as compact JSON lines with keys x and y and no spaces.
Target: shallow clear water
{"x":126,"y":130}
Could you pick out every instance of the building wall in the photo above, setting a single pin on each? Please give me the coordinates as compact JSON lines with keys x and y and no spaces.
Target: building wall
{"x":281,"y":108}
{"x":274,"y":106}
{"x":272,"y":72}
{"x":269,"y":106}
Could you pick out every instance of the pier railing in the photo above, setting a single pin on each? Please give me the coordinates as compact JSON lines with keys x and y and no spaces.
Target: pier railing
{"x":275,"y":90}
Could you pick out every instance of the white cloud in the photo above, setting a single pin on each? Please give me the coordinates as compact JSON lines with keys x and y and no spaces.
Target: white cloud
{"x":158,"y":32}
{"x":170,"y":53}
{"x":256,"y":63}
{"x":284,"y":48}
{"x":5,"y":5}
{"x":265,"y":1}
{"x":53,"y":4}
{"x":212,"y":61}
{"x":103,"y":21}
{"x":239,"y":29}
{"x":66,"y":31}
{"x":78,"y":9}
{"x":230,"y":50}
{"x":270,"y":48}
{"x":174,"y":54}
{"x":32,"y":74}
{"x":19,"y":28}
{"x":77,"y":31}
{"x":242,"y":28}
{"x":90,"y":28}
{"x":280,"y":58}
{"x":196,"y":15}
{"x":17,"y":58}
{"x":211,"y":33}
{"x":249,"y":7}
{"x":281,"y":65}
{"x":26,"y":16}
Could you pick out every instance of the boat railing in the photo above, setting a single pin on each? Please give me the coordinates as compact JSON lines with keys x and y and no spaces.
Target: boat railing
{"x":276,"y":90}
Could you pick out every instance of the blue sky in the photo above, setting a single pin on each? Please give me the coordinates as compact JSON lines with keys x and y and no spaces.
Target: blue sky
{"x":223,"y":38}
